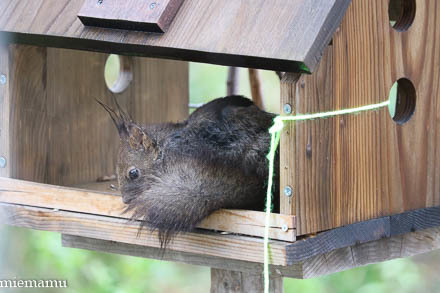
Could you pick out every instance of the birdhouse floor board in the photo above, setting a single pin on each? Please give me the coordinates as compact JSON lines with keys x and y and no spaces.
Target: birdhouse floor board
{"x":120,"y":230}
{"x":95,"y":214}
{"x":399,"y":246}
{"x":107,"y":202}
{"x":177,"y":256}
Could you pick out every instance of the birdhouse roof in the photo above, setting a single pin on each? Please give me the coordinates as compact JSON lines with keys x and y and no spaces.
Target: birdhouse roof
{"x":277,"y":34}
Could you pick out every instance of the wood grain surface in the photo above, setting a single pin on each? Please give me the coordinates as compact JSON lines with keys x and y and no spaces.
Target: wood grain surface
{"x":138,"y":15}
{"x":399,"y":246}
{"x":5,"y":100}
{"x":294,"y":271}
{"x":121,"y":230}
{"x":353,"y":168}
{"x":227,"y":281}
{"x":58,"y":134}
{"x":110,"y":204}
{"x":278,"y":35}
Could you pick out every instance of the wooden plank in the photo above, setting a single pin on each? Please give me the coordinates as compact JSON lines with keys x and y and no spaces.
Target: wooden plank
{"x":371,"y":230}
{"x":293,"y":271}
{"x":415,"y":220}
{"x":65,"y":137}
{"x":115,"y":229}
{"x":354,"y":168}
{"x":107,"y":204}
{"x":282,"y":35}
{"x":4,"y":109}
{"x":226,"y":281}
{"x":399,"y":246}
{"x":331,"y":240}
{"x":28,"y":99}
{"x":135,"y":15}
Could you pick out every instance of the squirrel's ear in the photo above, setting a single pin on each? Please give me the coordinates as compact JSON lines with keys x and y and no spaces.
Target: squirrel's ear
{"x":138,"y":139}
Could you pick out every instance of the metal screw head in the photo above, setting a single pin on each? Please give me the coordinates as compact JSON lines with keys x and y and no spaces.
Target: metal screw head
{"x":100,"y":1}
{"x":153,"y":5}
{"x":287,"y":108}
{"x":284,"y":228}
{"x":2,"y":162}
{"x":288,"y":191}
{"x":3,"y":79}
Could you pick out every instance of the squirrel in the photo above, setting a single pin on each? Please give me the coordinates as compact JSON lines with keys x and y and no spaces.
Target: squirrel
{"x":173,"y":175}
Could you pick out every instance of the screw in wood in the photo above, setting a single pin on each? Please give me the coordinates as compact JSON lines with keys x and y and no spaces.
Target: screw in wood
{"x":153,"y":5}
{"x":288,"y":191}
{"x":287,"y":108}
{"x":3,"y":79}
{"x":284,"y":228}
{"x":2,"y":162}
{"x":100,"y":2}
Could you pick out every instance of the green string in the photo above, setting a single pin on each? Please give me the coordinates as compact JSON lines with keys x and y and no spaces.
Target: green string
{"x":275,"y":132}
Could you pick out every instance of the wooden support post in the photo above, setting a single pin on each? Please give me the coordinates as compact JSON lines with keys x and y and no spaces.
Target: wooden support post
{"x":233,"y":82}
{"x":223,"y":281}
{"x":4,"y":112}
{"x":256,"y":87}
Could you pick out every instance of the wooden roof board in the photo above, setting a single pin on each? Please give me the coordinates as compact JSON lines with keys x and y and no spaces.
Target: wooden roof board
{"x":278,"y":34}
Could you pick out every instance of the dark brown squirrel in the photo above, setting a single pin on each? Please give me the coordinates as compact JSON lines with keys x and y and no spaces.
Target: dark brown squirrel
{"x":172,"y":175}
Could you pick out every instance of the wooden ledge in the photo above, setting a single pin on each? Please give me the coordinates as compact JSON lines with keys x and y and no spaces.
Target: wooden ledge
{"x":123,"y":231}
{"x":92,"y":214}
{"x":107,"y":203}
{"x":341,"y":259}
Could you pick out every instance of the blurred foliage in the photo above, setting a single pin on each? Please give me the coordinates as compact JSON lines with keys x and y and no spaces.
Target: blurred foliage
{"x":27,"y":254}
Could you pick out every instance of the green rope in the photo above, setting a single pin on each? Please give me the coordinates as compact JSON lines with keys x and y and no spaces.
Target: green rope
{"x":275,"y":132}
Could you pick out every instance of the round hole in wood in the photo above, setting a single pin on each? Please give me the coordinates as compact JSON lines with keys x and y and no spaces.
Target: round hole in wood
{"x":402,"y":101}
{"x":401,"y":14}
{"x":118,"y":73}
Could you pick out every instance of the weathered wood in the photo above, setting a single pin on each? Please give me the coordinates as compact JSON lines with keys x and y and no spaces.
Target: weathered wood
{"x":353,"y":168}
{"x":57,"y":132}
{"x":120,"y":230}
{"x":399,"y":246}
{"x":226,"y":281}
{"x":287,"y":146}
{"x":256,"y":87}
{"x":233,"y":81}
{"x":414,"y":220}
{"x":135,"y":15}
{"x":282,"y":35}
{"x":4,"y":110}
{"x":371,"y":230}
{"x":107,"y":204}
{"x":293,"y":271}
{"x":331,"y":240}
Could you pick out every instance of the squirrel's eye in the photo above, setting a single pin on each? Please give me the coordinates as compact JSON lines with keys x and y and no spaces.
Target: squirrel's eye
{"x":133,"y":173}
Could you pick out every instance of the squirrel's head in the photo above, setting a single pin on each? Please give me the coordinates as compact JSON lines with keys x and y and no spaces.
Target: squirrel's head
{"x":137,"y":154}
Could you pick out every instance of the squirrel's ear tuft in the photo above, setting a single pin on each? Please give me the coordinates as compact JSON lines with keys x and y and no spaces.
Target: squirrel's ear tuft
{"x":119,"y":117}
{"x":138,"y":139}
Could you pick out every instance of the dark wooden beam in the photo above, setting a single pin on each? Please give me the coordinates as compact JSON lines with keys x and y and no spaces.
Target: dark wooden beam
{"x":363,"y":232}
{"x":137,"y":15}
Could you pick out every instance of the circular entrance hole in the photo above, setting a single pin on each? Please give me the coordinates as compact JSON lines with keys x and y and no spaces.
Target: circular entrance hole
{"x":401,"y":14}
{"x":402,"y":101}
{"x":118,"y":73}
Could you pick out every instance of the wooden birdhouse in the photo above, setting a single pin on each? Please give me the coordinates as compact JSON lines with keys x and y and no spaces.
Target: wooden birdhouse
{"x":355,"y":189}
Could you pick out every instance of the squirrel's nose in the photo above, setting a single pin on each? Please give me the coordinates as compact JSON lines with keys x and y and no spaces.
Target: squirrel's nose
{"x":126,"y":200}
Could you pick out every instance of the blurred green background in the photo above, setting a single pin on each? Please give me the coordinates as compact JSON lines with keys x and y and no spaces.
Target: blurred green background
{"x":27,"y":254}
